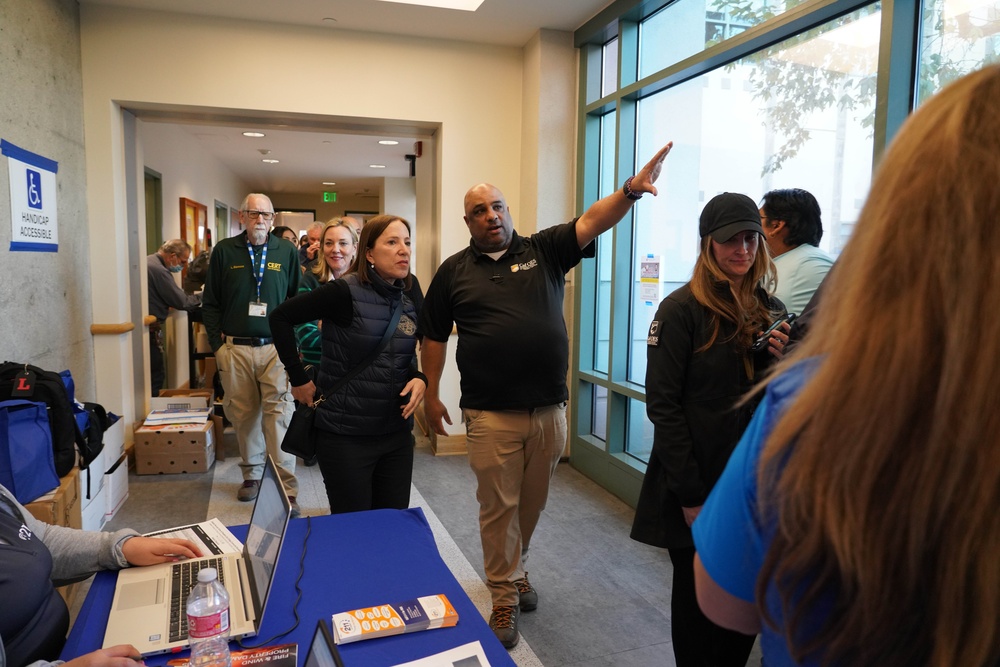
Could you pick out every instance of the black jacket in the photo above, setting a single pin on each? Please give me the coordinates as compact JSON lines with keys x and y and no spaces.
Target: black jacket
{"x":690,"y":399}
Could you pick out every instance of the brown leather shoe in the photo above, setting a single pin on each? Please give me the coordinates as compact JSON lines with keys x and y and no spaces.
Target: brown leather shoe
{"x":249,"y":490}
{"x":503,"y":623}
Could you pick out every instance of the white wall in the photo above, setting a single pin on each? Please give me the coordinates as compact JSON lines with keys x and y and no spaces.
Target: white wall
{"x":473,"y":91}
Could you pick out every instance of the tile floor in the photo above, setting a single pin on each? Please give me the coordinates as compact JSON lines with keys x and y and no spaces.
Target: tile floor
{"x":604,"y":599}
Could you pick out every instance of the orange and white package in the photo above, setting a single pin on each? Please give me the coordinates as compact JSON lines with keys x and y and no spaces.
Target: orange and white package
{"x":423,"y":613}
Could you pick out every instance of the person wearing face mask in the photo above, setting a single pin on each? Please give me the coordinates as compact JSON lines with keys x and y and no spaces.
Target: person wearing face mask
{"x":365,"y":419}
{"x":164,"y":293}
{"x":699,"y":365}
{"x":249,"y":275}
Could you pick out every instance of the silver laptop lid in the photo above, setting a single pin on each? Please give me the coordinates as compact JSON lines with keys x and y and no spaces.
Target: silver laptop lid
{"x":268,"y":524}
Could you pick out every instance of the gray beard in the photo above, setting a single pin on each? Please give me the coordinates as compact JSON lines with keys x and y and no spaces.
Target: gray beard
{"x":257,"y":237}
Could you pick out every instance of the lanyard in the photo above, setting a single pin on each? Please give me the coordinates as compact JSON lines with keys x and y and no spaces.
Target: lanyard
{"x":258,"y":274}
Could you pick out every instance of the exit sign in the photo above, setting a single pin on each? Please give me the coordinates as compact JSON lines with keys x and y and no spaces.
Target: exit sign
{"x":329,"y":196}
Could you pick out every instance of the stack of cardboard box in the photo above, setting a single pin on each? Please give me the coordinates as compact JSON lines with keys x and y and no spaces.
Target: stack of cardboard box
{"x":178,"y":448}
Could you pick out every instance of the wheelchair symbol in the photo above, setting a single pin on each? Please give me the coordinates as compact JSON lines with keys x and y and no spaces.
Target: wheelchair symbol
{"x":34,"y":189}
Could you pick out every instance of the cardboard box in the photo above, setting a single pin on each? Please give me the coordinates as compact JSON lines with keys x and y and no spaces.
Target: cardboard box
{"x":92,"y":481}
{"x":171,"y":398}
{"x":114,"y":441}
{"x":92,"y":516}
{"x":174,"y":449}
{"x":116,"y":484}
{"x":60,"y":507}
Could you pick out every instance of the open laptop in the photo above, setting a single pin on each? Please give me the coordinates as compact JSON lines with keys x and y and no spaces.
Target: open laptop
{"x":323,"y":652}
{"x":149,"y":609}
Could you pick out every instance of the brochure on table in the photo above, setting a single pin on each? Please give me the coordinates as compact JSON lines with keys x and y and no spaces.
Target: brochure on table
{"x":467,"y":655}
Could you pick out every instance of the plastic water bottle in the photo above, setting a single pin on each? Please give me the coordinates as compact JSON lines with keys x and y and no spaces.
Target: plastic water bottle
{"x":208,"y":621}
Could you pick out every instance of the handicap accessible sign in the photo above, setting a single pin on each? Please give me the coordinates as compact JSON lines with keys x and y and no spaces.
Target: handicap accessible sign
{"x":33,"y":220}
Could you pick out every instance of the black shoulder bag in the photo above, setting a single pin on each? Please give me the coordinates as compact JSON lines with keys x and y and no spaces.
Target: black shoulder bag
{"x":300,"y":438}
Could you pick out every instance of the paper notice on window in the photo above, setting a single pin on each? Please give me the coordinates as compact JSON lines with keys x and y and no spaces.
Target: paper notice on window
{"x":467,"y":655}
{"x":211,"y":537}
{"x":649,"y":279}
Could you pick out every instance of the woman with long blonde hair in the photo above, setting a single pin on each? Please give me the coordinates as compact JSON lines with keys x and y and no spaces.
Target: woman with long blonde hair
{"x":858,"y":521}
{"x":338,"y":245}
{"x":700,"y":362}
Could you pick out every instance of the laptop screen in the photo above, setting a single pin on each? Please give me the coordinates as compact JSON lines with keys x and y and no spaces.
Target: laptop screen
{"x":322,"y":651}
{"x":267,"y":527}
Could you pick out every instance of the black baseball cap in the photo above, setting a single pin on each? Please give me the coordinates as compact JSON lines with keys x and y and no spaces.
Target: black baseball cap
{"x":728,"y":214}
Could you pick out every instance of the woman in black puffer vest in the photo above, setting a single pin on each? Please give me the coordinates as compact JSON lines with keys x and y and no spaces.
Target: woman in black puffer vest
{"x":364,"y":448}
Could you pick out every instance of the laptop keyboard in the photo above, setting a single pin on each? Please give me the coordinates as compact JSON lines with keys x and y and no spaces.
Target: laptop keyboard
{"x":183,"y":577}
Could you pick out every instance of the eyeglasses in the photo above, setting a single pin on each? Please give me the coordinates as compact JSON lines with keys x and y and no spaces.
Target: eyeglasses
{"x":266,"y":215}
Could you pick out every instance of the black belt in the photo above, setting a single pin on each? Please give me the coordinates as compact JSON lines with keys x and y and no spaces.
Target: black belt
{"x":254,"y":342}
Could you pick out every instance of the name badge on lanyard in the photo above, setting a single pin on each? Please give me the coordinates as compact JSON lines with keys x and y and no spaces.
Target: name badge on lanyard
{"x":258,"y":309}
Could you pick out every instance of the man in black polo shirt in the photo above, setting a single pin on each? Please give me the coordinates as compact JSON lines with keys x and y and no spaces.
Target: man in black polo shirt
{"x":505,"y":295}
{"x":248,"y":277}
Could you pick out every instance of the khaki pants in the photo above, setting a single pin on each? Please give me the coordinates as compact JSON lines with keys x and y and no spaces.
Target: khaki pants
{"x":513,"y":454}
{"x":258,"y":402}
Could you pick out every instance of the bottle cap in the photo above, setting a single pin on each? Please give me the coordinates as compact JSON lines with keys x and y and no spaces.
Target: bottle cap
{"x":207,"y":574}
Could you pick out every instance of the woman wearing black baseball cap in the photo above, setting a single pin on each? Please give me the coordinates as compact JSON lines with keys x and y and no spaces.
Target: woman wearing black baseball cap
{"x":699,"y":365}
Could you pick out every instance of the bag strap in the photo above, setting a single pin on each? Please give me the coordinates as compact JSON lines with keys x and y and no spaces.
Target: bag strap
{"x":389,"y":330}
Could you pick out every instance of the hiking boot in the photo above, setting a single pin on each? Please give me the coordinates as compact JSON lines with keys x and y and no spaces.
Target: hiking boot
{"x":296,"y":512}
{"x":527,"y":595}
{"x":503,"y":623}
{"x":248,"y":491}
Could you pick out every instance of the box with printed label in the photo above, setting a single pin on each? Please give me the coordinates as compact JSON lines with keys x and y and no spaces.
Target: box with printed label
{"x":178,"y":448}
{"x":60,"y":507}
{"x":199,"y":398}
{"x":424,"y":613}
{"x":116,"y":483}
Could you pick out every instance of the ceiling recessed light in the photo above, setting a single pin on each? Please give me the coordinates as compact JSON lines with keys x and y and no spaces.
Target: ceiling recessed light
{"x":389,"y":142}
{"x":270,"y":161}
{"x":253,"y":134}
{"x":377,"y":166}
{"x":328,"y":183}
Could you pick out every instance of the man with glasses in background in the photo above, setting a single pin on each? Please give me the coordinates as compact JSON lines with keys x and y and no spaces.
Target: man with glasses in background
{"x":249,"y":275}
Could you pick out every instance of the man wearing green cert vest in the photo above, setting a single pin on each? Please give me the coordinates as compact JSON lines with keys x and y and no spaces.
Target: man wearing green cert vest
{"x":249,"y":275}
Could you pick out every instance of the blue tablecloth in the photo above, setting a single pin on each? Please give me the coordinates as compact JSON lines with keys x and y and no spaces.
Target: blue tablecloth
{"x":351,"y":560}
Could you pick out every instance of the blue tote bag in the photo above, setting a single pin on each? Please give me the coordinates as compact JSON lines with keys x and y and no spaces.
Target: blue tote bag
{"x":27,"y":463}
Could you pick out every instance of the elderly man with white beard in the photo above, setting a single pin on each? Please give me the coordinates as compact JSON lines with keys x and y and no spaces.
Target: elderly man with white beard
{"x":249,"y":275}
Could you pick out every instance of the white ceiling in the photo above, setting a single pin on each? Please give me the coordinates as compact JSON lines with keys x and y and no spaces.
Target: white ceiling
{"x":340,"y":150}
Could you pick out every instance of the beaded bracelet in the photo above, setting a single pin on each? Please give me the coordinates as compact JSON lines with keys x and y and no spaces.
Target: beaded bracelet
{"x":628,"y":192}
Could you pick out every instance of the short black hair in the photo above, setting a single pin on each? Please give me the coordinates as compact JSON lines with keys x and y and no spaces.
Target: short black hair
{"x":800,"y":211}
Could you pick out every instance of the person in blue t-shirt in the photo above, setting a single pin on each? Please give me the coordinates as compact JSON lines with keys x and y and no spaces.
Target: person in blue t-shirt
{"x":857,"y":521}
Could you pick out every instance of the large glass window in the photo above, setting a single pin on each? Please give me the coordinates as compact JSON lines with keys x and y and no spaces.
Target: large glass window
{"x":798,"y":114}
{"x":609,"y":67}
{"x":602,"y":314}
{"x":682,"y":29}
{"x":957,"y":37}
{"x":756,"y":95}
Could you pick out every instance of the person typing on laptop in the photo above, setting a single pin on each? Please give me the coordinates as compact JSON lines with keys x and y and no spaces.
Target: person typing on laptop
{"x":33,"y":617}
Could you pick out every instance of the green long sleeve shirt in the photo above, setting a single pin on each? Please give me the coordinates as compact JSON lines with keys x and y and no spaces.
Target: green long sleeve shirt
{"x":231,"y":286}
